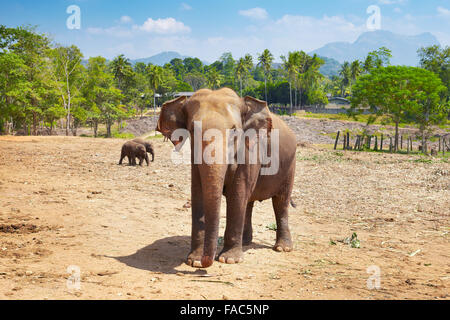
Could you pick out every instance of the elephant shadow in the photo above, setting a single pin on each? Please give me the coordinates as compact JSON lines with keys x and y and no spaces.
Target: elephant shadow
{"x":165,"y":255}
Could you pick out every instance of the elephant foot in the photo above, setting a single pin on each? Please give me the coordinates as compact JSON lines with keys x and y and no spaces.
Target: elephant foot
{"x":231,"y":256}
{"x":194,"y":259}
{"x":283,"y":245}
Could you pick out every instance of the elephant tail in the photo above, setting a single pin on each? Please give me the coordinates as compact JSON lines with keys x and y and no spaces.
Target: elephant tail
{"x":293,"y":204}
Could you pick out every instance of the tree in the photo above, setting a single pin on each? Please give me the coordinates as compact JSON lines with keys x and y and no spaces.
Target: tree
{"x":241,"y":71}
{"x":154,"y":74}
{"x":228,"y":68}
{"x":66,"y":71}
{"x":121,"y":69}
{"x":346,"y":77}
{"x":214,"y":79}
{"x":32,"y":48}
{"x":265,"y":60}
{"x":102,"y":97}
{"x":400,"y":92}
{"x":290,"y":66}
{"x":356,"y":70}
{"x":377,"y":59}
{"x":437,"y":60}
{"x":196,"y":80}
{"x":13,"y":90}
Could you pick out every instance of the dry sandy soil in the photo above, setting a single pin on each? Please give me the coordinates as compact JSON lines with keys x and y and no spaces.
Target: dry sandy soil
{"x":64,"y":202}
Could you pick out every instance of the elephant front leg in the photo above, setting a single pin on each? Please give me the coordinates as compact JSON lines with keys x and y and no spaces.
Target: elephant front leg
{"x":232,"y":250}
{"x":198,"y":223}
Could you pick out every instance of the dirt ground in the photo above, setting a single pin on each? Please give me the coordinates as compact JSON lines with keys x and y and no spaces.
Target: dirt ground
{"x":65,"y":202}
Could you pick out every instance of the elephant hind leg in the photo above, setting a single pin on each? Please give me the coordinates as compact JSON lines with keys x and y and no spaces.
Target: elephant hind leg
{"x":122,"y":156}
{"x":281,"y":207}
{"x":247,"y":236}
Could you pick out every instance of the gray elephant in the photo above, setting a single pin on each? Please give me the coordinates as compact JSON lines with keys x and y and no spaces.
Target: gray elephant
{"x":241,"y":183}
{"x":134,"y":150}
{"x":148,"y":147}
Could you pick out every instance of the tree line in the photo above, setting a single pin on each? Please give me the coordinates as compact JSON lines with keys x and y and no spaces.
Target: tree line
{"x":42,"y":82}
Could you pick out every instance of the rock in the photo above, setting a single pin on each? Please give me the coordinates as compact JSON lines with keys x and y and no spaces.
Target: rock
{"x":187,"y":205}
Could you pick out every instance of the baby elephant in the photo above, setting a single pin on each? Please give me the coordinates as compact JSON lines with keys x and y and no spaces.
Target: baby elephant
{"x":148,"y":147}
{"x":134,"y":150}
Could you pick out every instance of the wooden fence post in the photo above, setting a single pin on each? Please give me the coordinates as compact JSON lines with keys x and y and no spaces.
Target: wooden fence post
{"x":357,"y":143}
{"x":345,"y":141}
{"x":376,"y":144}
{"x":348,"y":141}
{"x":381,"y":143}
{"x":407,"y":145}
{"x":401,"y":142}
{"x":337,"y":139}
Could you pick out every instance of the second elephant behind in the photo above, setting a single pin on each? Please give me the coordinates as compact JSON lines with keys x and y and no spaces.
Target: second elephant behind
{"x":148,"y":147}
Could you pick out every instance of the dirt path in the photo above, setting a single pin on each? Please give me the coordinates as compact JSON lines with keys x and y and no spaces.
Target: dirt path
{"x":65,"y":202}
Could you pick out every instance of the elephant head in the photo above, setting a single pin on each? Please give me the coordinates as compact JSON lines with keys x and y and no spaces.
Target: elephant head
{"x":172,"y":117}
{"x":219,"y":110}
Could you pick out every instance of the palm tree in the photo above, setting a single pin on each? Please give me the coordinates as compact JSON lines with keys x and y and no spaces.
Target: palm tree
{"x":290,"y":65}
{"x":346,"y":76}
{"x":248,"y":60}
{"x":240,"y":71}
{"x":120,"y":68}
{"x":154,"y":74}
{"x":243,"y":67}
{"x":356,"y":70}
{"x":265,"y":61}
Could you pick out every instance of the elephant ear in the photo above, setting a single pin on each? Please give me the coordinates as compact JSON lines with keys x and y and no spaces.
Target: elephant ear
{"x":256,"y":115}
{"x":172,"y":117}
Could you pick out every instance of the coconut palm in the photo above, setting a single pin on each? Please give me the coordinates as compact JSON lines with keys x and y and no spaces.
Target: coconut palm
{"x":356,"y":70}
{"x":346,"y":76}
{"x":265,"y":61}
{"x":121,"y":68}
{"x":155,"y":75}
{"x":290,"y":65}
{"x":240,"y":71}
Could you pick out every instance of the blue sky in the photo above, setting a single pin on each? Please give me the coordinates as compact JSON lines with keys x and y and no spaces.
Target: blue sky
{"x":206,"y":29}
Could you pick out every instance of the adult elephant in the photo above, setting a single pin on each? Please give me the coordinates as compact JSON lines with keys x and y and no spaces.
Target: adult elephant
{"x":241,"y":182}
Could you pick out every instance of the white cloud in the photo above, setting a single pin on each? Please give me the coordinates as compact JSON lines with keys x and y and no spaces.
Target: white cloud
{"x":388,"y":2}
{"x":443,"y":12}
{"x":118,"y":32}
{"x":255,"y":13}
{"x":163,"y":26}
{"x":185,"y":7}
{"x":126,"y":19}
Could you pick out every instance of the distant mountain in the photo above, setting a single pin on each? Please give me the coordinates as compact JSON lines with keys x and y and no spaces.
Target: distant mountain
{"x":330,"y":68}
{"x":160,"y":59}
{"x":404,"y":48}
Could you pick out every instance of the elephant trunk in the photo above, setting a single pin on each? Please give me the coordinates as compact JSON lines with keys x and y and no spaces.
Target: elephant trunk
{"x":212,"y":178}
